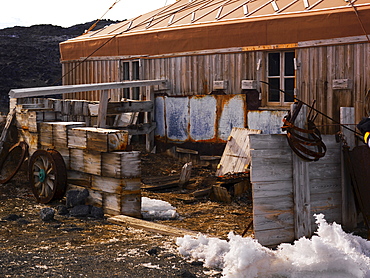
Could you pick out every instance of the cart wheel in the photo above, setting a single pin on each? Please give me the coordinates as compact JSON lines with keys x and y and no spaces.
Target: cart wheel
{"x":12,"y":161}
{"x":47,"y":175}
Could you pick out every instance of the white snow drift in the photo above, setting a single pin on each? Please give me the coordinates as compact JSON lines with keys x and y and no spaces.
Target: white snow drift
{"x":330,"y":253}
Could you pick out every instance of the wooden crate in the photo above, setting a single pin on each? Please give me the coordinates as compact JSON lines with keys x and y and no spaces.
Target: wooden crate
{"x":106,"y":140}
{"x":60,"y":132}
{"x":109,"y":185}
{"x":121,"y":164}
{"x":76,"y":159}
{"x":77,"y":137}
{"x":31,"y":138}
{"x":46,"y":135}
{"x":92,"y":162}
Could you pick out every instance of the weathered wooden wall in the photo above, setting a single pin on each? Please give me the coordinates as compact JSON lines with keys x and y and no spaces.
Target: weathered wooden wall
{"x":317,"y":67}
{"x":275,"y":198}
{"x":95,"y":71}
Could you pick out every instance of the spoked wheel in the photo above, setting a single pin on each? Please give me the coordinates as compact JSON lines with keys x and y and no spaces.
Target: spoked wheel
{"x":47,"y":175}
{"x":12,"y":161}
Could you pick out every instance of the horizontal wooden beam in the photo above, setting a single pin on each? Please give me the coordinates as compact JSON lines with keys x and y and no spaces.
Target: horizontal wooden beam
{"x":149,"y":226}
{"x":129,"y":106}
{"x":56,"y":90}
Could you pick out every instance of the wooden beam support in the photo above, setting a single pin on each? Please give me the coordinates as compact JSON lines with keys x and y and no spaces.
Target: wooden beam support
{"x":102,"y":111}
{"x":55,"y":90}
{"x":149,"y":226}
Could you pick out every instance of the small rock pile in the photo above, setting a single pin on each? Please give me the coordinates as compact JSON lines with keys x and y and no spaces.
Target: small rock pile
{"x":75,"y":206}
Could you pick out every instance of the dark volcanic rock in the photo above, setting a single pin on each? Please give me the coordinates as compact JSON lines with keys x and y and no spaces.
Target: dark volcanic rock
{"x":12,"y":217}
{"x":80,"y":211}
{"x":29,"y":56}
{"x":62,"y":210}
{"x":76,"y":197}
{"x":97,"y":212}
{"x":47,"y":214}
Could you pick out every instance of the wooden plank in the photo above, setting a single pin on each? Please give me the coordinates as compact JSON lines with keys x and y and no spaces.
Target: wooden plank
{"x":131,"y":204}
{"x":349,"y":218}
{"x":271,"y":189}
{"x":149,"y":226}
{"x":77,"y":159}
{"x":106,"y":140}
{"x":102,"y":111}
{"x":91,"y":162}
{"x":129,"y":106}
{"x":66,"y":89}
{"x":274,"y":237}
{"x":236,"y":157}
{"x":121,"y":164}
{"x":268,"y":141}
{"x":108,"y":185}
{"x":281,"y":220}
{"x":79,"y":178}
{"x":77,"y":137}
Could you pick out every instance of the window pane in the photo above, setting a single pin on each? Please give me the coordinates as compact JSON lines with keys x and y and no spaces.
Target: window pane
{"x":289,"y":89}
{"x":274,"y":64}
{"x":135,"y":70}
{"x":289,"y":64}
{"x":274,"y":93}
{"x":126,"y":71}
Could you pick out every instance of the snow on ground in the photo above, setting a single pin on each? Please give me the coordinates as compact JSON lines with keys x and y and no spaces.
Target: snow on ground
{"x":331,"y":253}
{"x":152,"y":209}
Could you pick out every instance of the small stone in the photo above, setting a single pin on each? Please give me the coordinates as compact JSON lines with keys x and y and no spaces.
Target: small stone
{"x":23,"y":221}
{"x":153,"y":251}
{"x":47,"y":214}
{"x":97,"y":212}
{"x":62,"y":210}
{"x":76,"y":197}
{"x":184,"y":273}
{"x":12,"y":217}
{"x":80,"y":211}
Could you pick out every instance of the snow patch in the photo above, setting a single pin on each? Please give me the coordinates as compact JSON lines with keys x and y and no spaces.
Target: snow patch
{"x":328,"y":254}
{"x":152,"y":209}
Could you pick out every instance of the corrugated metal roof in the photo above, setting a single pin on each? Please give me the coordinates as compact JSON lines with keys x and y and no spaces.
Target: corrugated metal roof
{"x":186,"y":13}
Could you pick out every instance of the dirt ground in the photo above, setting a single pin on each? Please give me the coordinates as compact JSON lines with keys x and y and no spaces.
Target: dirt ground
{"x":84,"y":247}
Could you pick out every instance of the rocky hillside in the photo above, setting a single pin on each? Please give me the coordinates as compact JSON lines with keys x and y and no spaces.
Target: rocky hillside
{"x":29,"y":56}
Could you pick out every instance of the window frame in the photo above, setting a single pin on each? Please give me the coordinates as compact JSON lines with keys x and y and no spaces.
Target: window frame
{"x":282,"y":78}
{"x":134,"y":93}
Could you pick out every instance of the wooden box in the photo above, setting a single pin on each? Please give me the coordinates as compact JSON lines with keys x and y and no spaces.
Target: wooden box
{"x":121,"y":164}
{"x":46,"y":135}
{"x":60,"y":132}
{"x":92,"y":162}
{"x":106,"y":140}
{"x":76,"y":159}
{"x":77,"y":137}
{"x":109,"y":185}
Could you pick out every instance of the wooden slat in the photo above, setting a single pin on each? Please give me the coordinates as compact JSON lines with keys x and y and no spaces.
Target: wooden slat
{"x":54,"y":90}
{"x":149,"y":226}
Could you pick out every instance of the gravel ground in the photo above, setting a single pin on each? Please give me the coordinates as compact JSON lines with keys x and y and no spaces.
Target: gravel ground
{"x":80,"y":247}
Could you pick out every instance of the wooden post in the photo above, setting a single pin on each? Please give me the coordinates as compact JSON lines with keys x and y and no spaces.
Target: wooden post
{"x":149,"y":138}
{"x":349,"y":219}
{"x":102,"y":111}
{"x":301,"y":188}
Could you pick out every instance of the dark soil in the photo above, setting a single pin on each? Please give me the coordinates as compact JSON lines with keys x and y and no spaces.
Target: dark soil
{"x":86,"y":247}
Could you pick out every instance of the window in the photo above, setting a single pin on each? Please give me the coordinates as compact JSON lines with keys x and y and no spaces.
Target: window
{"x":280,"y":74}
{"x":131,"y":71}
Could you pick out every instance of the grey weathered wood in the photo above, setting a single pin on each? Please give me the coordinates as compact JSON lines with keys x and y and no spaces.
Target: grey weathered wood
{"x":301,"y":187}
{"x":4,"y":133}
{"x":236,"y":156}
{"x":106,"y":140}
{"x":102,"y":111}
{"x":121,"y":164}
{"x":55,"y":90}
{"x":349,"y":214}
{"x":129,"y":106}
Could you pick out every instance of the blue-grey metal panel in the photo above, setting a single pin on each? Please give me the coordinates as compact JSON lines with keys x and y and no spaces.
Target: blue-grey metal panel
{"x":202,"y":118}
{"x":269,"y":122}
{"x":177,"y":118}
{"x":233,"y":115}
{"x":159,"y":117}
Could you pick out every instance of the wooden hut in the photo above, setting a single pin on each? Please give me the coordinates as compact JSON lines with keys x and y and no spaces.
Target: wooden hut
{"x":218,"y":57}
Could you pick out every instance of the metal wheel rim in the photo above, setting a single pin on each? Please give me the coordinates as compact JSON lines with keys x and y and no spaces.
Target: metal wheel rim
{"x":13,"y":161}
{"x":47,"y":175}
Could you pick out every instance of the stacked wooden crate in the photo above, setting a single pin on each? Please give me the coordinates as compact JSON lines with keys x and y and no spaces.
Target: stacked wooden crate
{"x":99,"y":162}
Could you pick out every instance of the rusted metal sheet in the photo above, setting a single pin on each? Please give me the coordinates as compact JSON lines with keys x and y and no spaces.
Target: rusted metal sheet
{"x":206,"y":118}
{"x":177,"y":118}
{"x":268,"y":121}
{"x":202,"y":117}
{"x":233,"y":114}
